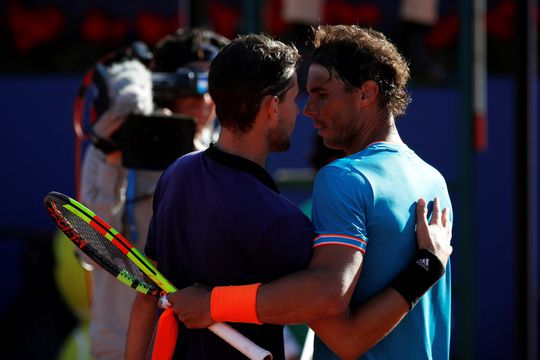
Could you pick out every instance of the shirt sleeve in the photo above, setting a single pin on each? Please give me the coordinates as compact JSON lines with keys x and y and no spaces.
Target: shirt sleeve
{"x":341,"y":202}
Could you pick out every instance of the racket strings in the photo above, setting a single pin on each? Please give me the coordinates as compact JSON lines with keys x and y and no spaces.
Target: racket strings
{"x":102,"y":247}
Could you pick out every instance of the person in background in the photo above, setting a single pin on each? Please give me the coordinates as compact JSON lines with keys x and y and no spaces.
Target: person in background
{"x":122,"y":196}
{"x":190,"y":50}
{"x":107,"y":189}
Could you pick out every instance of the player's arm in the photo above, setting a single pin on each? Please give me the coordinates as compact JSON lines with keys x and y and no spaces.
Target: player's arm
{"x":302,"y":295}
{"x":142,"y":319}
{"x":323,"y":289}
{"x":349,"y":335}
{"x":309,"y":295}
{"x":297,"y":298}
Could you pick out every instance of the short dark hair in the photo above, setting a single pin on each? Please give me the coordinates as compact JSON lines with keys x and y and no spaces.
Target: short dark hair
{"x":249,"y":68}
{"x":356,"y":55}
{"x":187,"y":45}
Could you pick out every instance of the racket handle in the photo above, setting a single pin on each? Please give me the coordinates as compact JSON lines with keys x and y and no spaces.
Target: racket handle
{"x":240,"y":342}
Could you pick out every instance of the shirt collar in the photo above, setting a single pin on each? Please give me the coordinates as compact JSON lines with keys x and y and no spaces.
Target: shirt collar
{"x":240,"y":163}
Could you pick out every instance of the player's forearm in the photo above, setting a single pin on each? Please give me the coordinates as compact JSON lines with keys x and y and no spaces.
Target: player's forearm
{"x":304,"y":296}
{"x":323,"y":289}
{"x":350,"y":335}
{"x":141,"y":326}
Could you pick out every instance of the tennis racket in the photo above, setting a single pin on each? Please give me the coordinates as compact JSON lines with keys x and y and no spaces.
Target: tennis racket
{"x":114,"y":253}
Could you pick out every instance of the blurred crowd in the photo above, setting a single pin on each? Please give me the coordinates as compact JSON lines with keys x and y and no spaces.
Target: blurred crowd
{"x":44,"y":36}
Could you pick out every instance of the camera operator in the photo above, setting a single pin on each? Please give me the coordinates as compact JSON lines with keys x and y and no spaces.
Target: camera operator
{"x":188,"y":52}
{"x":120,"y":193}
{"x":108,"y":189}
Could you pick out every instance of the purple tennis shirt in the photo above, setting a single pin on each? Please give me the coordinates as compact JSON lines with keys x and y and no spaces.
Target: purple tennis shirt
{"x":219,"y":220}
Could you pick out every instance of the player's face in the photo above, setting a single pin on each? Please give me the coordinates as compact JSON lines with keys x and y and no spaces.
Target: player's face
{"x":279,"y":138}
{"x":331,"y":108}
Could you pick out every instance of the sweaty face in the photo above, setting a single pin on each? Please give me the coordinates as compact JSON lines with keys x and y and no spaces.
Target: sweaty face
{"x":331,"y":108}
{"x":279,"y":137}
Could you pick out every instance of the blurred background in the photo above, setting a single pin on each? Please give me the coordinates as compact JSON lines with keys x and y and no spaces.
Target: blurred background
{"x":474,"y":116}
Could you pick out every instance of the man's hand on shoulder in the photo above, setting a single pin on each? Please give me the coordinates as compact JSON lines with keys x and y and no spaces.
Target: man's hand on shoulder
{"x":434,"y":236}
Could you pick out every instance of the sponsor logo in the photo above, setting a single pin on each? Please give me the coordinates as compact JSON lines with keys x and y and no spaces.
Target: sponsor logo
{"x":424,"y":263}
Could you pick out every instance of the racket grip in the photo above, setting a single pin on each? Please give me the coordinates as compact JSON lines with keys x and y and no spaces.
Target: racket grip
{"x":240,"y":342}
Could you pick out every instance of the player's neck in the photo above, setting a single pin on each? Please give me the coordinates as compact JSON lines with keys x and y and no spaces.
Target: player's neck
{"x":247,"y":145}
{"x":386,"y":132}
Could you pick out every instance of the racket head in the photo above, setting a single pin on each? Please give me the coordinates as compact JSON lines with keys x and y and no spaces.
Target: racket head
{"x":94,"y":237}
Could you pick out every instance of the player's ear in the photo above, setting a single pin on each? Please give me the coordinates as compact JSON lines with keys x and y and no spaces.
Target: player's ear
{"x":368,"y":92}
{"x":270,"y":104}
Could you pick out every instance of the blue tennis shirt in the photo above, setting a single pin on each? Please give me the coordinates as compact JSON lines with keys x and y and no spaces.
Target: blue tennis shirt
{"x":220,"y":220}
{"x":367,"y":201}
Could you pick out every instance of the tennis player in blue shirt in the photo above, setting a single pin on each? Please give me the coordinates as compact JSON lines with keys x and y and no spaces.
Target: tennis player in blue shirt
{"x":367,"y":275}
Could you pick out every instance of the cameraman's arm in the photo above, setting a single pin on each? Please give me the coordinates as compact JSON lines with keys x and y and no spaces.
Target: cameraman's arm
{"x":129,"y":88}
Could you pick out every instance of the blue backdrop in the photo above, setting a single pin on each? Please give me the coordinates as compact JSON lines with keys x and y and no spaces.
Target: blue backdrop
{"x":37,"y":150}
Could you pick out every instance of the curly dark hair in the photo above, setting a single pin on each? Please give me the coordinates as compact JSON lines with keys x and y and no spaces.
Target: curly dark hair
{"x":356,"y":55}
{"x":244,"y":72}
